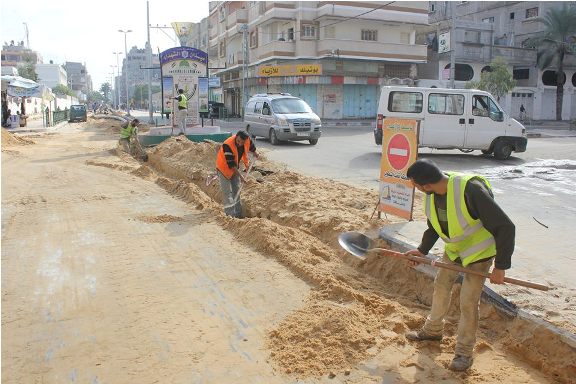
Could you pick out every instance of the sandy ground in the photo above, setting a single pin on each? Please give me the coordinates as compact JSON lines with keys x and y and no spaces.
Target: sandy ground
{"x":120,"y":271}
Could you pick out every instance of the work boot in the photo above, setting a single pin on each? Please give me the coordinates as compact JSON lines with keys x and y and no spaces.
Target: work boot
{"x":421,"y":335}
{"x":460,"y":363}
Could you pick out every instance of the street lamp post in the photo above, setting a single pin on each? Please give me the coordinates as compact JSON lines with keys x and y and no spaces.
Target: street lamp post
{"x":113,"y":83}
{"x":126,"y":70}
{"x":116,"y":86}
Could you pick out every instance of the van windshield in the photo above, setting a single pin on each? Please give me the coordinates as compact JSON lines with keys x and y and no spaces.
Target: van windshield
{"x":283,"y":106}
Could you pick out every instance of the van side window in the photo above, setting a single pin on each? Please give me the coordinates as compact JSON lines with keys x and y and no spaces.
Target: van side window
{"x":258,"y":108}
{"x":410,"y":102}
{"x":250,"y":107}
{"x":446,"y":104}
{"x":486,"y":107}
{"x":480,"y":106}
{"x":266,"y":109}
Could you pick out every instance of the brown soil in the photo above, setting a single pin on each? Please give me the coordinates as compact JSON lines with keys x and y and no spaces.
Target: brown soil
{"x":9,"y":139}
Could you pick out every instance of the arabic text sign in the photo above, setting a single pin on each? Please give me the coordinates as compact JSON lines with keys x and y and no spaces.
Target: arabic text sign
{"x":290,"y":70}
{"x":399,"y":152}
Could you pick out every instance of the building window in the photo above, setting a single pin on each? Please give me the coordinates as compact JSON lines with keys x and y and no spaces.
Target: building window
{"x":221,"y":49}
{"x":488,"y":19}
{"x":532,"y":12}
{"x":369,"y":35}
{"x":290,"y":34}
{"x":308,"y":31}
{"x":463,"y":72}
{"x":521,"y":74}
{"x":253,"y":39}
{"x":511,"y":15}
{"x":221,"y":14}
{"x":549,"y":78}
{"x":432,"y":7}
{"x":329,"y":32}
{"x":472,"y":36}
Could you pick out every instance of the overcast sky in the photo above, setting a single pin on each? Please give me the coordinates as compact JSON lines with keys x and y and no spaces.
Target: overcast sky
{"x":87,"y":31}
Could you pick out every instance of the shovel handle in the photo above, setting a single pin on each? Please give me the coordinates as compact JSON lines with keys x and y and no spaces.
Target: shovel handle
{"x":440,"y":264}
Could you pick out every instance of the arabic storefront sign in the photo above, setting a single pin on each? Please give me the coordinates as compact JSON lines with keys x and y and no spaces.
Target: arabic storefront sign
{"x":399,"y":152}
{"x":181,"y":67}
{"x":290,"y":70}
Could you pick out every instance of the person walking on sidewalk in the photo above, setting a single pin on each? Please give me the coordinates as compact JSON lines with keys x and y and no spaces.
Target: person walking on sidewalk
{"x":461,"y":210}
{"x":129,"y":128}
{"x":182,"y":110}
{"x":234,"y":149}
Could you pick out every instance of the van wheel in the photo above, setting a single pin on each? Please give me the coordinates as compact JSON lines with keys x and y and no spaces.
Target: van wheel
{"x":313,"y":141}
{"x":502,"y":150}
{"x":273,"y":137}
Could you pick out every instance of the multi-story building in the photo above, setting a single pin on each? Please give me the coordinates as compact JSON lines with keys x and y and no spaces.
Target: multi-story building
{"x":51,"y":74}
{"x":482,"y":31}
{"x":334,"y":55}
{"x":78,"y":78}
{"x":135,"y":65}
{"x":14,"y":55}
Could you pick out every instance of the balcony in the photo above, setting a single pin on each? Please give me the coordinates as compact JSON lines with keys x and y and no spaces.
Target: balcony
{"x":276,"y":48}
{"x":395,"y":13}
{"x":238,"y":17}
{"x":515,"y":55}
{"x":372,"y":50}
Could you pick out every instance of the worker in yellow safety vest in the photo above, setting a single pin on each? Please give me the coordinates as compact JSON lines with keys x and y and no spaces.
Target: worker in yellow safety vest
{"x":233,"y":150}
{"x":127,"y":130}
{"x":182,"y":110}
{"x":461,"y":210}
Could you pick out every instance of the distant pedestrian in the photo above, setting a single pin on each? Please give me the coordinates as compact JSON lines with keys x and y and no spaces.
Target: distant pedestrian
{"x":182,"y":110}
{"x":94,"y":107}
{"x":522,"y":112}
{"x":234,"y":149}
{"x":129,"y":129}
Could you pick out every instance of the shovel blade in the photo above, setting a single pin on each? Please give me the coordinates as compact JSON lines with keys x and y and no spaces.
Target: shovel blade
{"x":355,"y":243}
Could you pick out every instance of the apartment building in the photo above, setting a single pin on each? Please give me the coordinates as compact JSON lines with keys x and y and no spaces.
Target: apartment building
{"x":135,"y":65}
{"x":51,"y":74}
{"x":15,"y":54}
{"x":483,"y":31}
{"x":78,"y":78}
{"x":335,"y":55}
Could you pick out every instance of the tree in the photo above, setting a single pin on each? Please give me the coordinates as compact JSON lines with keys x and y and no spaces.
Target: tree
{"x":497,"y":80}
{"x":141,"y":94}
{"x":62,"y":90}
{"x":105,"y":89}
{"x":94,"y":96}
{"x":28,"y":69}
{"x":553,"y":44}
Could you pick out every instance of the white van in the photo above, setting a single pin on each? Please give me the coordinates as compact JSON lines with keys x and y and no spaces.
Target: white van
{"x":281,"y":117}
{"x":464,"y":119}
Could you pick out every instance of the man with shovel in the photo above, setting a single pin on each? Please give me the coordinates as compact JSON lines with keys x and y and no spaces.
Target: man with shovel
{"x":234,"y":149}
{"x":462,"y":211}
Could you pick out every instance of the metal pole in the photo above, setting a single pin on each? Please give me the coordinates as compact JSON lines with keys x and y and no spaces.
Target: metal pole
{"x":116,"y":85}
{"x":126,"y":70}
{"x":244,"y":29}
{"x":452,"y":46}
{"x":149,"y":52}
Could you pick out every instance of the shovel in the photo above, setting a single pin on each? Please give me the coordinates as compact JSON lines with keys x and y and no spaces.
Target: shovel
{"x":359,"y":245}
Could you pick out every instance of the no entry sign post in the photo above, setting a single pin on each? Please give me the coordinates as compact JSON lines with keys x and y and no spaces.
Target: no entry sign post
{"x":399,"y":152}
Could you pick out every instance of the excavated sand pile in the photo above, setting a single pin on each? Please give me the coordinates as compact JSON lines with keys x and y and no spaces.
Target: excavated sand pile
{"x":358,"y":311}
{"x":9,"y":139}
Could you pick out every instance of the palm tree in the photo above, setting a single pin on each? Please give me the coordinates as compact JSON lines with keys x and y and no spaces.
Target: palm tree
{"x":554,"y":43}
{"x":105,"y":89}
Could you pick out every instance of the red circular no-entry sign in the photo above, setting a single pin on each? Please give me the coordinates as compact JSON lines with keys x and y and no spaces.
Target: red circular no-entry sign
{"x":398,"y":152}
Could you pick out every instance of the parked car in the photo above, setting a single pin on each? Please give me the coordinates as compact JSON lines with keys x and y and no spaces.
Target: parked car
{"x":78,"y":113}
{"x":464,"y":119}
{"x":281,"y":116}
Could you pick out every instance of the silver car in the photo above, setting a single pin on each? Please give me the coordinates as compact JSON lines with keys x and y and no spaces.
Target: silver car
{"x":281,"y":117}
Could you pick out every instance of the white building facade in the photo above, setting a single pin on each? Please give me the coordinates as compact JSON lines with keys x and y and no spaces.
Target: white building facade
{"x":334,"y":55}
{"x":51,"y":75}
{"x":484,"y":31}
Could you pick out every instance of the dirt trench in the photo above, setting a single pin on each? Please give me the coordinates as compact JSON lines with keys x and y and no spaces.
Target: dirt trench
{"x":358,"y":311}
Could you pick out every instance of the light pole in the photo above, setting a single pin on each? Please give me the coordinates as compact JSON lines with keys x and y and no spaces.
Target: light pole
{"x":113,"y":83}
{"x":126,"y":70}
{"x":116,"y":86}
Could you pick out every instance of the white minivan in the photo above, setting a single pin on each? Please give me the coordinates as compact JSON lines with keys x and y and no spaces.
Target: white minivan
{"x":281,"y":117}
{"x":464,"y":119}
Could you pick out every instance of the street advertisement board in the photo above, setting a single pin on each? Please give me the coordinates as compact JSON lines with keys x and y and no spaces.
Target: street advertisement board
{"x":203,"y":94}
{"x":399,"y":152}
{"x":444,"y":42}
{"x":180,"y":68}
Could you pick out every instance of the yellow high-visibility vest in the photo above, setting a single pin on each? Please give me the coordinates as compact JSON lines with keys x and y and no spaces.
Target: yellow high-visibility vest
{"x":466,"y":238}
{"x":183,"y":102}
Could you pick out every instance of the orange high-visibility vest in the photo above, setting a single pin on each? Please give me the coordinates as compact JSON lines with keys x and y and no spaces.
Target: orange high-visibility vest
{"x":222,"y":164}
